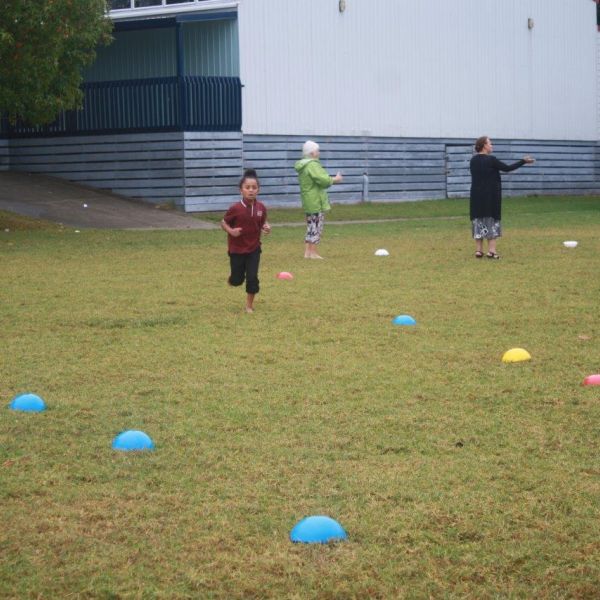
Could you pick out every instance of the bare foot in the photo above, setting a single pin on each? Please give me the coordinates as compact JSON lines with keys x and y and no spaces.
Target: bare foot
{"x":316,"y":256}
{"x":249,"y":309}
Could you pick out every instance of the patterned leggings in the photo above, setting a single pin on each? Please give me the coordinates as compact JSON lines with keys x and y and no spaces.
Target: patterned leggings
{"x":314,"y":227}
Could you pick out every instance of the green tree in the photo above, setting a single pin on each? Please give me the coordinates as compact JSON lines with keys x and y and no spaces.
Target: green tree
{"x":44,"y":45}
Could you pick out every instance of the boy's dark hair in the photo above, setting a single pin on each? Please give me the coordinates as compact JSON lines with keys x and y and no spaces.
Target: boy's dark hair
{"x":249,"y":174}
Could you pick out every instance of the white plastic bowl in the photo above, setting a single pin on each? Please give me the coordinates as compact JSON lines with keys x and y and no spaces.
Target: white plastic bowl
{"x":570,"y":244}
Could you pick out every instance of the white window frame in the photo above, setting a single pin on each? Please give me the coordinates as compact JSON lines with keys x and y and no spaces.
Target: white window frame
{"x":170,"y":9}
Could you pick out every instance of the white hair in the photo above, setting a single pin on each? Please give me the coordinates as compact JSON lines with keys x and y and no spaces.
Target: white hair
{"x":309,"y":147}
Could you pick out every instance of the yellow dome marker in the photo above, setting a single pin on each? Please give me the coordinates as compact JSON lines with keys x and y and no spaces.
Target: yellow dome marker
{"x":516,"y":355}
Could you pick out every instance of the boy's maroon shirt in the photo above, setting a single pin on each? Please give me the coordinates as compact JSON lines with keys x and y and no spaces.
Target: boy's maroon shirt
{"x":251,"y":218}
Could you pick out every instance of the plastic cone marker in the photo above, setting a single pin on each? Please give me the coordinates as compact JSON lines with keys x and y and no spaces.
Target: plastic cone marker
{"x":317,"y":530}
{"x":284,"y":275}
{"x":132,"y":440}
{"x":403,"y":320}
{"x":516,"y":355}
{"x":592,"y":380}
{"x":28,"y":403}
{"x":570,"y":244}
{"x":381,"y":252}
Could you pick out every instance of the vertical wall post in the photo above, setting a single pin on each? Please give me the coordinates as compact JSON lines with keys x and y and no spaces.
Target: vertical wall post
{"x":365,"y":187}
{"x":180,"y":73}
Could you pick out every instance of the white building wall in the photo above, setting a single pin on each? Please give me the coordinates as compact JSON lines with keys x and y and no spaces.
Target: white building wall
{"x":416,"y":68}
{"x":598,"y":84}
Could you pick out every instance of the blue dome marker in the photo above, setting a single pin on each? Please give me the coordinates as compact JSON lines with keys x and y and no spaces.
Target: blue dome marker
{"x":403,"y":320}
{"x":132,"y":440}
{"x":28,"y":403}
{"x":317,"y":530}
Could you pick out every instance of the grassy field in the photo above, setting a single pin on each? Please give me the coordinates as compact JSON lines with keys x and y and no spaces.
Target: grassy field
{"x":427,"y":209}
{"x":454,"y":474}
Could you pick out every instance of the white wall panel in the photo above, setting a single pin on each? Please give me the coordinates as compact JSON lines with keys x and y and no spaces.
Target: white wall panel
{"x":598,"y":84}
{"x":418,"y":68}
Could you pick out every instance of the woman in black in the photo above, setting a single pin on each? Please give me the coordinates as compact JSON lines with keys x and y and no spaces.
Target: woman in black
{"x":486,"y":195}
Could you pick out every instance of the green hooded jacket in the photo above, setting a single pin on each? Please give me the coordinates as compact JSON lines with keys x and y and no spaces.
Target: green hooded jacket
{"x":314,"y":180}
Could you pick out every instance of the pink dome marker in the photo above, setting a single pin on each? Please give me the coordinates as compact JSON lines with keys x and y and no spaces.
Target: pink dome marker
{"x":592,"y":380}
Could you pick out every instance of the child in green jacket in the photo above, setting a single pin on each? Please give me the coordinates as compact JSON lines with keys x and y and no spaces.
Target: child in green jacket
{"x":314,"y":181}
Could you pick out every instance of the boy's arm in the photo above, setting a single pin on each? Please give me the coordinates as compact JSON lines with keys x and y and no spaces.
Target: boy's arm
{"x":265,"y":227}
{"x":233,"y":231}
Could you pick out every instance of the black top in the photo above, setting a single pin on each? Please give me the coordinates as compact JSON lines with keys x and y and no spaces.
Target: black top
{"x":486,"y":185}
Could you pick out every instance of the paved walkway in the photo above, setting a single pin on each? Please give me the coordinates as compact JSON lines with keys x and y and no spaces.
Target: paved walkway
{"x":61,"y":201}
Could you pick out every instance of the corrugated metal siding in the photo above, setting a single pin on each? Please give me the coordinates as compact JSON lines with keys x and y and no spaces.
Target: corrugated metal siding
{"x":211,"y":48}
{"x":598,"y":83}
{"x":597,"y":164}
{"x":409,"y":68}
{"x":136,"y":55}
{"x":562,"y":64}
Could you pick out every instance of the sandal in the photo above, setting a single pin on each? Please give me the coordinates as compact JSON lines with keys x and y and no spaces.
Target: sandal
{"x":478,"y":254}
{"x":493,"y":255}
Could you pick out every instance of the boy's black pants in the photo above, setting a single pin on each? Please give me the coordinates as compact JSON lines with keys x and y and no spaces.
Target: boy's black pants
{"x":245,"y":266}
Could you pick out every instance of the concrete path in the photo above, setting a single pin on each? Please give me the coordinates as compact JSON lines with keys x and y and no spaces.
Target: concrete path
{"x":61,"y":201}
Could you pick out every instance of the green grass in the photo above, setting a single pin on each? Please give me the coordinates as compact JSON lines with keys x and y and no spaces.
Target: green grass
{"x":14,"y":222}
{"x":427,"y":209}
{"x":455,"y":475}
